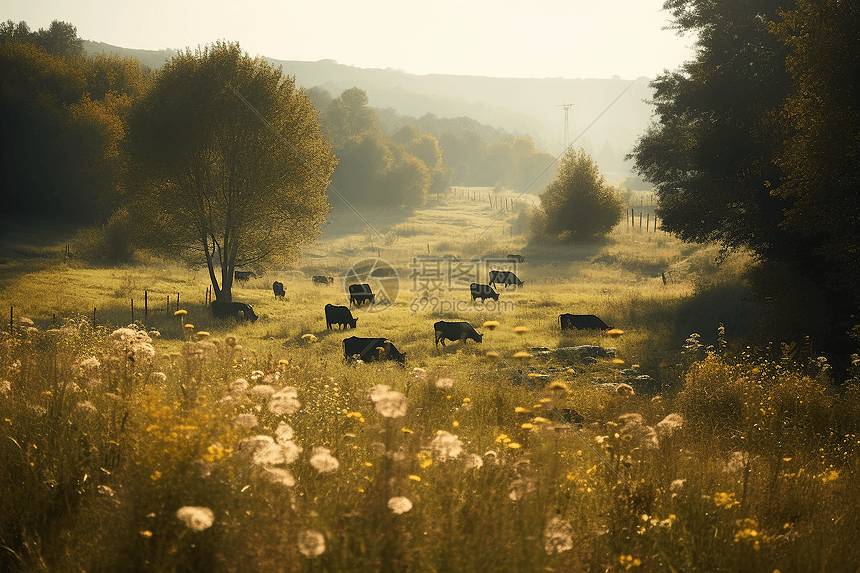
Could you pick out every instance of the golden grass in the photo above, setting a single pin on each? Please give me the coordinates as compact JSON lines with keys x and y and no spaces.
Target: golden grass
{"x":103,"y":444}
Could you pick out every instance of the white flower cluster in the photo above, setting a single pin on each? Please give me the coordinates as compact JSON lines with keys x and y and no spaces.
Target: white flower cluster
{"x":389,"y":403}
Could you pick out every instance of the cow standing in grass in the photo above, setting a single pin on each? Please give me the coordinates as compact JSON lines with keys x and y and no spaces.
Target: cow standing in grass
{"x":453,"y":331}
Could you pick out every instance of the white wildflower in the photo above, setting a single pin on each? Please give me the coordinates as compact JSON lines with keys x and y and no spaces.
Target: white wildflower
{"x":278,"y":476}
{"x":445,"y":383}
{"x":238,"y":386}
{"x":557,"y":536}
{"x":262,"y":391}
{"x":245,"y":421}
{"x":86,"y":407}
{"x":446,"y":446}
{"x":521,"y":487}
{"x":196,"y":518}
{"x":399,"y":504}
{"x":311,"y":543}
{"x":474,"y":461}
{"x":323,"y":461}
{"x":284,"y":432}
{"x":668,"y":425}
{"x":389,"y":403}
{"x":251,"y":448}
{"x":285,"y":401}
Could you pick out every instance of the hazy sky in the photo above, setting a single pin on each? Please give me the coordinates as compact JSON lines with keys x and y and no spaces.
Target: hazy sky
{"x":500,"y":38}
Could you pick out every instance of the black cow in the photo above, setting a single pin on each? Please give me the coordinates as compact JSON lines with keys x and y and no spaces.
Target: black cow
{"x":581,"y":322}
{"x":340,"y":316}
{"x":461,"y":331}
{"x":504,"y":277}
{"x":238,"y":310}
{"x":244,"y":275}
{"x":368,"y":349}
{"x":517,"y":258}
{"x":361,"y":293}
{"x":278,"y":289}
{"x":321,"y":280}
{"x":483,"y":292}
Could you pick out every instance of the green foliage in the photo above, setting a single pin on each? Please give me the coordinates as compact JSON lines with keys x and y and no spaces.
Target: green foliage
{"x":217,"y":182}
{"x":64,"y":118}
{"x":579,"y":204}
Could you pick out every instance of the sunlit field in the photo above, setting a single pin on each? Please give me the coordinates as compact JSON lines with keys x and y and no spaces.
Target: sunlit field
{"x":149,"y":438}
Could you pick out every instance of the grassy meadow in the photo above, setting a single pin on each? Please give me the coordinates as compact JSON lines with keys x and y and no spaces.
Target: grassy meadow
{"x":174,"y":442}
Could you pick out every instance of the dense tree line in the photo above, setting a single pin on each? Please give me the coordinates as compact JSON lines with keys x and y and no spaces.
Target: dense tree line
{"x":62,"y":118}
{"x":756,"y":145}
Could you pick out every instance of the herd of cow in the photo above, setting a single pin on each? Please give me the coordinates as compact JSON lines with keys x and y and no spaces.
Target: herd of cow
{"x":369,"y":349}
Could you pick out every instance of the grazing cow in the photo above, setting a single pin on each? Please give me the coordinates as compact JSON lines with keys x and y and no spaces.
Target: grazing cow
{"x":455,"y":331}
{"x":340,"y":316}
{"x":517,"y":258}
{"x":368,"y":349}
{"x":278,"y":289}
{"x":483,"y":292}
{"x":238,"y":310}
{"x":244,"y":275}
{"x":581,"y":322}
{"x":504,"y":277}
{"x":361,"y":293}
{"x":321,"y":280}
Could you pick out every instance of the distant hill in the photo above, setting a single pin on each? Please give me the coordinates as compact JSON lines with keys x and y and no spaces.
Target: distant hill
{"x":520,"y":106}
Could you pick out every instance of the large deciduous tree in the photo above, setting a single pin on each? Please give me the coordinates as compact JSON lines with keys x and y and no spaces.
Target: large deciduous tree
{"x":709,"y":154}
{"x":234,"y":162}
{"x":579,"y":204}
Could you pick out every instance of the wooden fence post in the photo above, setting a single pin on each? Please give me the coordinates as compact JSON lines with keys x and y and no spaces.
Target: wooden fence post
{"x":145,"y":307}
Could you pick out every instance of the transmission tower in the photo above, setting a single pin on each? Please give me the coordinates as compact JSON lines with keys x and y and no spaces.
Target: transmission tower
{"x":566,"y":107}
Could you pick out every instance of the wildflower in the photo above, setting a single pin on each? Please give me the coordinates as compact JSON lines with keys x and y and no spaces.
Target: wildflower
{"x":414,"y":477}
{"x":425,"y":458}
{"x":399,"y":505}
{"x":725,"y":500}
{"x":473,"y":461}
{"x":492,"y":354}
{"x":614,"y":332}
{"x":491,"y":324}
{"x":389,"y":403}
{"x":250,"y":448}
{"x":158,"y":377}
{"x":522,"y":355}
{"x":323,"y":461}
{"x":557,"y":536}
{"x":285,"y":401}
{"x":146,"y":534}
{"x":527,"y":426}
{"x":86,"y":407}
{"x":466,"y":400}
{"x":624,"y":390}
{"x":311,"y":543}
{"x":521,"y":329}
{"x":520,"y":487}
{"x":238,"y":386}
{"x":446,"y":446}
{"x":289,"y":450}
{"x":521,"y":410}
{"x":668,"y":425}
{"x":445,"y":383}
{"x":202,"y":334}
{"x":284,"y":432}
{"x":278,"y":476}
{"x":309,"y":338}
{"x":105,"y":490}
{"x":189,"y":326}
{"x":180,"y":312}
{"x":196,"y":518}
{"x":262,"y":391}
{"x":629,"y":561}
{"x":540,"y":420}
{"x":419,"y":374}
{"x":245,"y":421}
{"x":406,"y":431}
{"x":513,"y":445}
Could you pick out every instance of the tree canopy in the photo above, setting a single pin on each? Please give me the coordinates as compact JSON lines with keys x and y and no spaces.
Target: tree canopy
{"x":756,"y":140}
{"x":579,"y":204}
{"x":233,"y":162}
